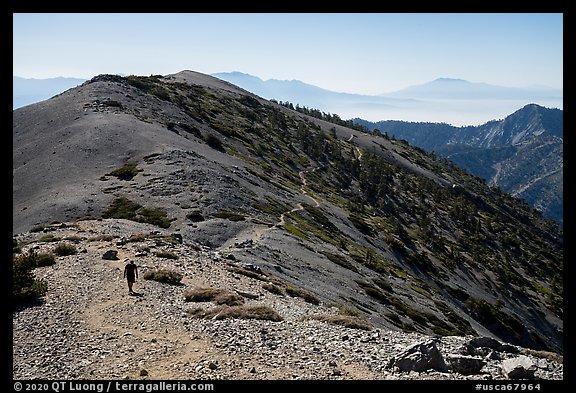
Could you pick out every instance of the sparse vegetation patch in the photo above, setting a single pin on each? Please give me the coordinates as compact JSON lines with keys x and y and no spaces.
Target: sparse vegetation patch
{"x":124,"y":208}
{"x":240,"y":312}
{"x":164,"y":276}
{"x":64,"y":249}
{"x":125,"y":172}
{"x":348,"y":321}
{"x":216,"y":295}
{"x":25,"y":286}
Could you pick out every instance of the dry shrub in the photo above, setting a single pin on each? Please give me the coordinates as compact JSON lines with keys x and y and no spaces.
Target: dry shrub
{"x":348,"y":321}
{"x":238,"y":312}
{"x":216,"y":295}
{"x":164,"y":275}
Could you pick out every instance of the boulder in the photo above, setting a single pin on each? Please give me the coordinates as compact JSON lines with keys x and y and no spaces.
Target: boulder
{"x":111,"y":255}
{"x":419,"y":357}
{"x":465,"y":365}
{"x":520,"y":367}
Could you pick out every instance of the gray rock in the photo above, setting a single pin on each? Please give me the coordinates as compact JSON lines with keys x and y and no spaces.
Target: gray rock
{"x":508,"y":348}
{"x":465,"y":365}
{"x":484,"y":341}
{"x":419,"y":357}
{"x":521,"y":367}
{"x":111,"y":255}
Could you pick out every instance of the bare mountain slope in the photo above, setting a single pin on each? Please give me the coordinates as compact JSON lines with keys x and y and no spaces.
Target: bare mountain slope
{"x":370,"y":224}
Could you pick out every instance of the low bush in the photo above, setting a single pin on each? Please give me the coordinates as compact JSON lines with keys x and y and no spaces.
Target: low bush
{"x":25,"y":286}
{"x":347,"y":321}
{"x":239,"y":312}
{"x":45,"y":259}
{"x":64,"y":249}
{"x":164,"y":276}
{"x":216,"y":295}
{"x":125,"y":172}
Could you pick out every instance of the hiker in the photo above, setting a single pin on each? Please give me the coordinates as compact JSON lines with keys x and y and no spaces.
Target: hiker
{"x":130,"y":274}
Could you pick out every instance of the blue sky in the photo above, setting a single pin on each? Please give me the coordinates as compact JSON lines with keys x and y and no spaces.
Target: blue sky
{"x":345,"y":52}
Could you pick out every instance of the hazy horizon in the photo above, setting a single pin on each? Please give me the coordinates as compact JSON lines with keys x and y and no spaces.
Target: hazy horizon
{"x":412,"y":105}
{"x":356,"y":53}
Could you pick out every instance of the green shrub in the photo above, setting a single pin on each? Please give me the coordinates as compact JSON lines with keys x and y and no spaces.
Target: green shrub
{"x":340,"y":260}
{"x":124,"y":208}
{"x":383,"y":284}
{"x":373,"y":292}
{"x":125,"y":172}
{"x":64,"y":249}
{"x":301,"y":293}
{"x":49,"y":238}
{"x":229,"y":215}
{"x":195,"y":216}
{"x":214,"y":142}
{"x":349,"y":311}
{"x":45,"y":259}
{"x":26,"y":287}
{"x":164,"y":276}
{"x":113,"y":103}
{"x":361,"y":225}
{"x":156,"y":217}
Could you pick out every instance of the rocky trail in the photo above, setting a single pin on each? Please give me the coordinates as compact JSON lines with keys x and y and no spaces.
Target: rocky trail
{"x":89,"y":327}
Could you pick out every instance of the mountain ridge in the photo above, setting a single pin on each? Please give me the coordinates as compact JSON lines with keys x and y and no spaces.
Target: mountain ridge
{"x":522,"y":153}
{"x":429,"y":106}
{"x":355,"y":219}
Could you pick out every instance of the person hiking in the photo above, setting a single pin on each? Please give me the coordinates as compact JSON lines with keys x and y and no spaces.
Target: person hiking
{"x":130,"y":274}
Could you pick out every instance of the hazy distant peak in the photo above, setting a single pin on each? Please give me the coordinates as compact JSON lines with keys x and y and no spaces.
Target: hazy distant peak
{"x":236,"y":75}
{"x":449,"y":80}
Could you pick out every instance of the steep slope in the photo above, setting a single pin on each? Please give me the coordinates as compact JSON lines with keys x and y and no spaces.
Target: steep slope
{"x":360,"y":221}
{"x":521,"y":154}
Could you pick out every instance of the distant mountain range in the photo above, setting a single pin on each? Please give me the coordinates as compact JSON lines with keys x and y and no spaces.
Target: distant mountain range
{"x":26,"y":91}
{"x":522,"y":154}
{"x":444,"y":100}
{"x":451,"y":89}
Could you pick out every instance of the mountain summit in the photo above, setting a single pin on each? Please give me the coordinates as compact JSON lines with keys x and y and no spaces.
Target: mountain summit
{"x":304,"y":207}
{"x":522,"y":153}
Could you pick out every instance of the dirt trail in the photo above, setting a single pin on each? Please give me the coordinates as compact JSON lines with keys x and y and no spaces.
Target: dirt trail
{"x":256,"y":233}
{"x":299,"y":206}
